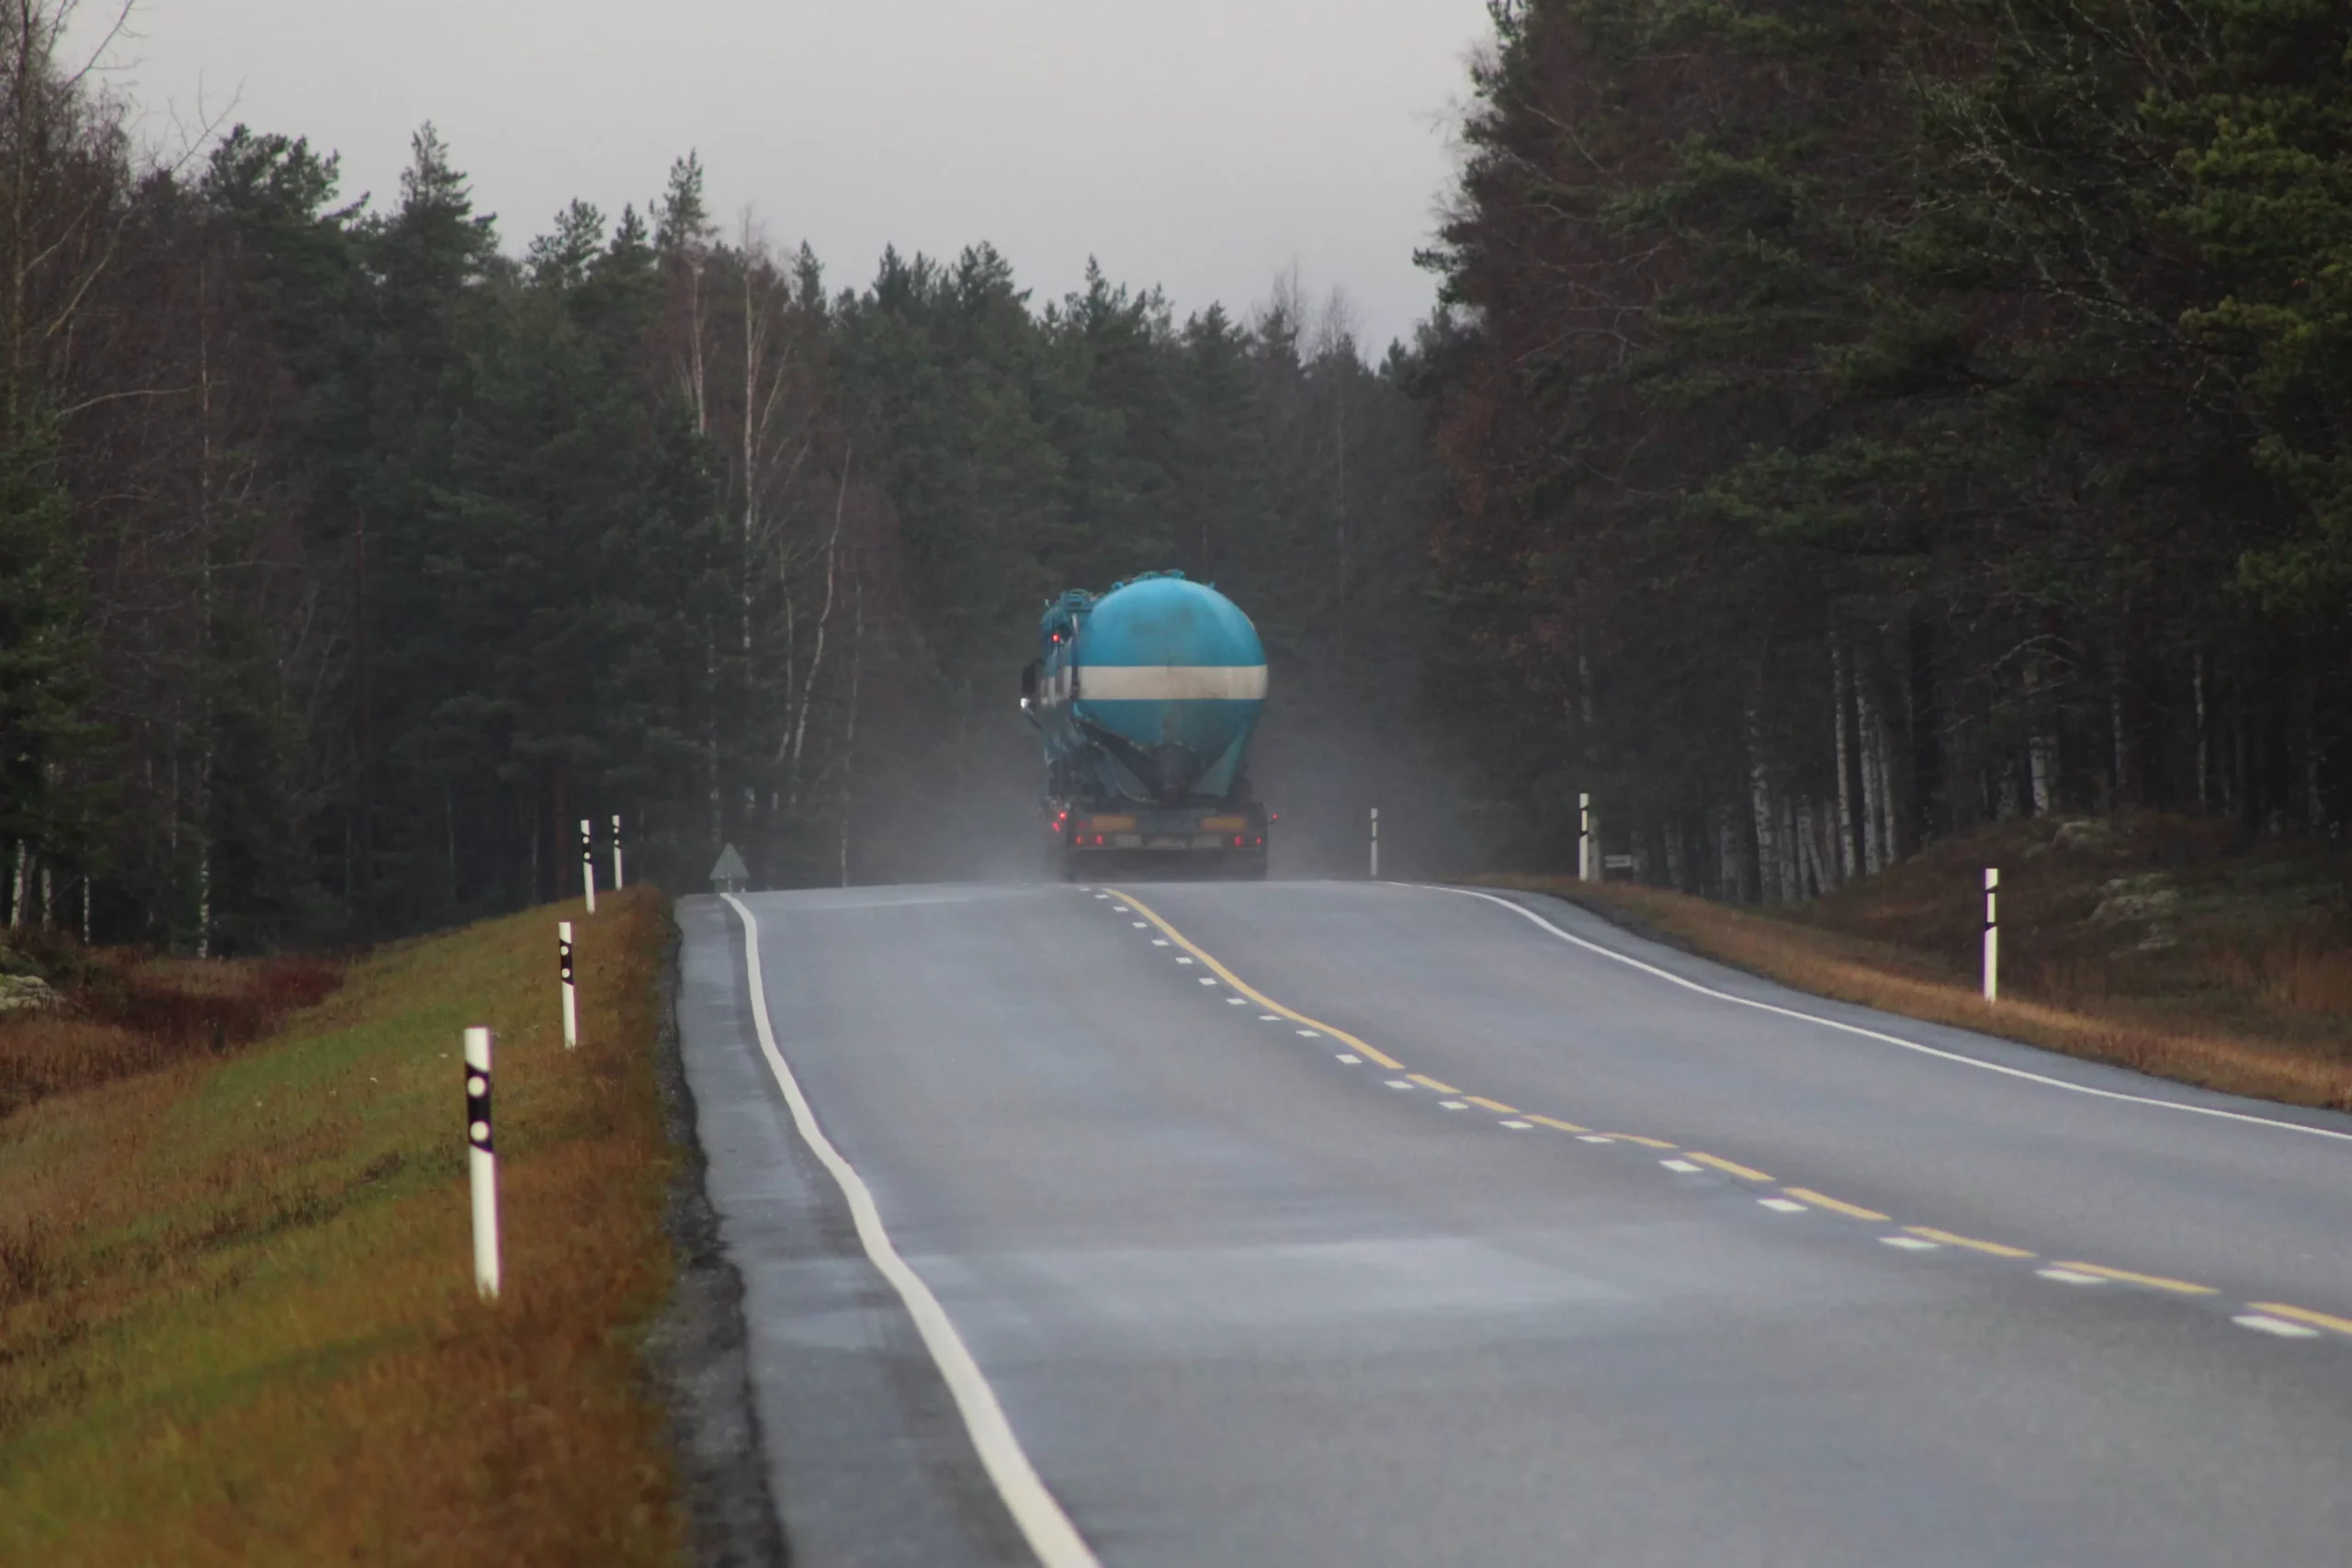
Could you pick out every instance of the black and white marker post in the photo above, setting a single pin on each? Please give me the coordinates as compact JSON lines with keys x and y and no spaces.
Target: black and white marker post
{"x":1376,"y":843}
{"x":1992,"y":936}
{"x":570,"y":993}
{"x":1587,"y":863}
{"x":588,"y":861}
{"x":482,"y":1162}
{"x":620,"y":881}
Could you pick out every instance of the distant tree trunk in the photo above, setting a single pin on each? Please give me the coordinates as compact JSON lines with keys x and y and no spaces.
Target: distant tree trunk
{"x":1875,"y":811}
{"x":200,"y":814}
{"x":713,"y":785}
{"x":1849,"y":850}
{"x":1730,"y":856}
{"x":363,"y":698}
{"x":1790,"y":827}
{"x":2042,"y":744}
{"x":849,"y":726}
{"x":564,"y":828}
{"x":2204,"y":735}
{"x":1762,"y":813}
{"x":2314,"y":749}
{"x":796,"y":736}
{"x":1926,"y":802}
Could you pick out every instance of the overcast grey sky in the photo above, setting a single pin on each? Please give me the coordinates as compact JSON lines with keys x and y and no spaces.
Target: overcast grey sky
{"x":1205,"y":145}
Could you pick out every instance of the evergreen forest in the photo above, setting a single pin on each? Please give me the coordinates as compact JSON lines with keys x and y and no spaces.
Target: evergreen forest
{"x":1843,"y":422}
{"x":1867,"y":419}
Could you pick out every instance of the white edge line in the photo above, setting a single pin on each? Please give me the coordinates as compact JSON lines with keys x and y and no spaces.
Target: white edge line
{"x":1048,"y":1529}
{"x":1965,"y":1061}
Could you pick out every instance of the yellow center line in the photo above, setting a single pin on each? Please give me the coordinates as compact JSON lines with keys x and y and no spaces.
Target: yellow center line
{"x":1822,"y":1200}
{"x":1227,"y":975}
{"x":2153,"y":1281}
{"x":1745,"y":1173}
{"x":1804,"y":1194}
{"x":2304,"y":1315}
{"x":1929,"y":1234}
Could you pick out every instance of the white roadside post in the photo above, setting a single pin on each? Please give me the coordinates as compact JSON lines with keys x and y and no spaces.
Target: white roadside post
{"x":588,"y":861}
{"x":619,"y":881}
{"x":482,"y":1162}
{"x":1584,"y":838}
{"x":1376,"y":843}
{"x":570,"y":994}
{"x":1992,"y":936}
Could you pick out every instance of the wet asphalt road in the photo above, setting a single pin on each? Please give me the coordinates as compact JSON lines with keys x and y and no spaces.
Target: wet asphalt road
{"x":1246,"y":1303}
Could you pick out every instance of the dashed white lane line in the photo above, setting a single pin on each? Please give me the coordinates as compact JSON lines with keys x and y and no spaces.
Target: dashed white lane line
{"x":1120,"y":910}
{"x":1237,"y":1001}
{"x":1141,"y":925}
{"x":1159,"y":942}
{"x":2263,"y":1324}
{"x":1103,"y":895}
{"x":2258,"y":1322}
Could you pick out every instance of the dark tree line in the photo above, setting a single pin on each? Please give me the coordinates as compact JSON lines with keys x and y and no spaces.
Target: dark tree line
{"x":349,"y":558}
{"x":1846,"y":422}
{"x":1867,"y":419}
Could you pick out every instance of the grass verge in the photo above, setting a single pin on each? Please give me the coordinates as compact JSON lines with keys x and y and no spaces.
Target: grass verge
{"x":2152,"y":943}
{"x":237,"y":1318}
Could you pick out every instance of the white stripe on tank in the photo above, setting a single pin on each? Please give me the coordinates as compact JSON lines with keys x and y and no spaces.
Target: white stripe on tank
{"x":1170,"y":682}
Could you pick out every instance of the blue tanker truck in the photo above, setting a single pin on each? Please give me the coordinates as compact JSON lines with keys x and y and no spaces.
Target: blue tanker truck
{"x":1146,"y":698}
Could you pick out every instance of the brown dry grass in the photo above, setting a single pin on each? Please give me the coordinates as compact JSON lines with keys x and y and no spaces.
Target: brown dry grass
{"x":2296,"y":1061}
{"x":129,"y":1014}
{"x":237,"y":1322}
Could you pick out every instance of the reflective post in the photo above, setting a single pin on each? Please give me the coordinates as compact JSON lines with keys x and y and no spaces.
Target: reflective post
{"x":570,"y":993}
{"x":1376,"y":843}
{"x":1992,"y":936}
{"x":588,"y":861}
{"x":482,"y":1162}
{"x":620,"y":881}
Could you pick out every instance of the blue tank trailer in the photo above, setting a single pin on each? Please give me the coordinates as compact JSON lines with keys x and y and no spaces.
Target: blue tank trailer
{"x":1146,"y":698}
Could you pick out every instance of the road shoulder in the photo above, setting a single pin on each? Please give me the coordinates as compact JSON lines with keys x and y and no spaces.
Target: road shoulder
{"x":865,"y":1458}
